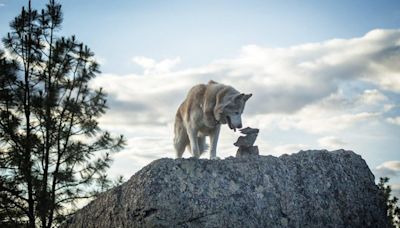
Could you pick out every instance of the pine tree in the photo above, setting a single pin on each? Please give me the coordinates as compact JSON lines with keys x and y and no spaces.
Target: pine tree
{"x":52,"y":151}
{"x":393,"y":211}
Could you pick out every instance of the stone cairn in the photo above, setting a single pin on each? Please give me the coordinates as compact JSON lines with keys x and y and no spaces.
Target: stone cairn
{"x":245,"y":143}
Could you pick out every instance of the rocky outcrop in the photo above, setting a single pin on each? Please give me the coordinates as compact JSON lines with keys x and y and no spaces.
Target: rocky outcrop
{"x":307,"y":189}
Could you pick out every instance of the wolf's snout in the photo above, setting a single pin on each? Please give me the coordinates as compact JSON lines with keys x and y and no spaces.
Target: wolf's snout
{"x":234,"y":122}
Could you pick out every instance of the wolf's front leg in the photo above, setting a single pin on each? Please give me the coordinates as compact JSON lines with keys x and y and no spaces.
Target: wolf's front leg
{"x":214,"y":141}
{"x":194,"y":144}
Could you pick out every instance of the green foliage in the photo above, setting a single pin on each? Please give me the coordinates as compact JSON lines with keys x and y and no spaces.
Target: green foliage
{"x":52,"y":150}
{"x":393,"y":211}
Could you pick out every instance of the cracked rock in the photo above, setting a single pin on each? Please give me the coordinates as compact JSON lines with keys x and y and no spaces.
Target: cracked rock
{"x":306,"y":189}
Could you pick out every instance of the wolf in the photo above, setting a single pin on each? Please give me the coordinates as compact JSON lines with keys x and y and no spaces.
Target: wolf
{"x":201,"y":114}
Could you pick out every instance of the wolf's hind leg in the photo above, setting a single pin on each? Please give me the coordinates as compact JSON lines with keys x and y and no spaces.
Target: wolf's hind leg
{"x":180,"y":144}
{"x":194,"y":145}
{"x":181,"y":139}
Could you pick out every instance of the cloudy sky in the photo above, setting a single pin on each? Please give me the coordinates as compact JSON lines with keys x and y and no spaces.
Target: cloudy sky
{"x":323,"y":74}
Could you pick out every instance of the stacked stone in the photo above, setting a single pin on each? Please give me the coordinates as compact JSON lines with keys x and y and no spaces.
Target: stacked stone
{"x":245,"y":143}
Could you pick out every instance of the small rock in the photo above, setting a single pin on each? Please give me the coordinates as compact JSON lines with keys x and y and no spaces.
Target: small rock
{"x":249,"y":130}
{"x":245,"y":143}
{"x":247,"y":140}
{"x":247,"y":151}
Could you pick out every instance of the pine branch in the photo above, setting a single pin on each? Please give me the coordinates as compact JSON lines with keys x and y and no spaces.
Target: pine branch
{"x":71,"y":199}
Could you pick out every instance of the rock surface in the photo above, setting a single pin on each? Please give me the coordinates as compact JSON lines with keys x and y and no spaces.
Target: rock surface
{"x":307,"y":189}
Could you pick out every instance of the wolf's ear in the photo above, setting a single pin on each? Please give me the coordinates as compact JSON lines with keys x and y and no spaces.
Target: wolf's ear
{"x":247,"y":96}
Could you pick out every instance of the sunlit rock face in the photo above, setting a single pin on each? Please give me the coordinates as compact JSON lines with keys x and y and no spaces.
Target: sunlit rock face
{"x":306,"y":189}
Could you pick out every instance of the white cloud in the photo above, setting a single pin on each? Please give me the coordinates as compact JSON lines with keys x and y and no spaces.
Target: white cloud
{"x":388,"y":107}
{"x":2,"y":4}
{"x":392,"y":165}
{"x":8,"y":54}
{"x":282,"y":80}
{"x":150,"y":66}
{"x":321,"y":88}
{"x":388,"y":169}
{"x":144,"y":62}
{"x":396,"y":189}
{"x":394,"y":120}
{"x":319,"y":123}
{"x":316,"y":118}
{"x":373,"y":96}
{"x":331,"y":142}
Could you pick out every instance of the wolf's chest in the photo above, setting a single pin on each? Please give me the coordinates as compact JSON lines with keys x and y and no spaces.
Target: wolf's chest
{"x":204,"y":131}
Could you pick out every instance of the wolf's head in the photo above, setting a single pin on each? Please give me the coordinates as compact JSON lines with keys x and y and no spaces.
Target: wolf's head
{"x":230,"y":110}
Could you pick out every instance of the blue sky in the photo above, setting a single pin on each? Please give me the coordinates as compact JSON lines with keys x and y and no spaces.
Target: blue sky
{"x":201,"y":31}
{"x":324,"y":74}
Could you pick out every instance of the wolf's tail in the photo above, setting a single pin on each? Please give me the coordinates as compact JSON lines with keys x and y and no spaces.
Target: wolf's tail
{"x":181,"y":139}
